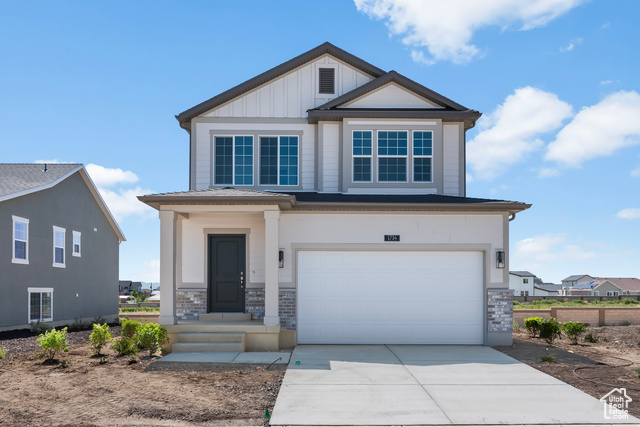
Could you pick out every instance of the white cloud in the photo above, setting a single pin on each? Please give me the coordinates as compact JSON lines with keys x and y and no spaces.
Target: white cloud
{"x":598,"y":130}
{"x":124,"y":202}
{"x":108,"y":177}
{"x":629,"y":213}
{"x":570,"y":46}
{"x":606,"y":82}
{"x":446,"y":28}
{"x":512,"y":131}
{"x":548,"y":173}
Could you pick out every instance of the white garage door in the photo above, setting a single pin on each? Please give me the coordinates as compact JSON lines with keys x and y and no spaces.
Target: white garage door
{"x":369,"y":297}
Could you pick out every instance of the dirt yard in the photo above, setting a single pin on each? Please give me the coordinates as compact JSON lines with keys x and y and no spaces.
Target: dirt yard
{"x":116,"y":393}
{"x":595,"y":368}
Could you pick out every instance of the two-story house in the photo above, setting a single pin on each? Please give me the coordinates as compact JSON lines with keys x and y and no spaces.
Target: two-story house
{"x":59,"y":247}
{"x":327,"y":198}
{"x":522,"y":282}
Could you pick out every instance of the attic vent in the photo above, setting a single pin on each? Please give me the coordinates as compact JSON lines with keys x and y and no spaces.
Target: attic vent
{"x":327,"y":80}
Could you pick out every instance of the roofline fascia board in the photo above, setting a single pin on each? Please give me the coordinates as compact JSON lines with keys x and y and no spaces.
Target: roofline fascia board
{"x":101,"y":203}
{"x":469,"y":117}
{"x":325,"y":48}
{"x":393,"y":77}
{"x":156,"y":202}
{"x":439,"y":207}
{"x":42,"y":187}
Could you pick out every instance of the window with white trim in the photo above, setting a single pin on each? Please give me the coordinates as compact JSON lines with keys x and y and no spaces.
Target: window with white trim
{"x":77,"y":244}
{"x":233,"y":160}
{"x":392,"y":156}
{"x":20,"y":254}
{"x":612,"y":293}
{"x":525,"y":280}
{"x":596,"y":293}
{"x":279,"y":160}
{"x":362,"y":155}
{"x":58,"y":246}
{"x":40,"y":304}
{"x":422,"y":156}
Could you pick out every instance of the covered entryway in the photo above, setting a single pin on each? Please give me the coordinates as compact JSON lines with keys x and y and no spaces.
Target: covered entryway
{"x":227,"y":268}
{"x":390,"y":297}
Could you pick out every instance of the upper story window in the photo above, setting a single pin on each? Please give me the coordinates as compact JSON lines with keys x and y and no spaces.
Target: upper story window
{"x":397,"y":156}
{"x":58,"y":247}
{"x":20,"y":240}
{"x":525,"y":280}
{"x":233,"y":159}
{"x":77,"y":244}
{"x":327,"y":80}
{"x":279,"y":160}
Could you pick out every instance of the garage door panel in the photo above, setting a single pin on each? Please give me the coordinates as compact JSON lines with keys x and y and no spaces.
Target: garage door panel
{"x":390,"y":297}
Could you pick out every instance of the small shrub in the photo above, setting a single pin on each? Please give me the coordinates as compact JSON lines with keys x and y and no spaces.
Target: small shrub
{"x":532,"y":325}
{"x":627,"y":323}
{"x":129,"y":328}
{"x":517,"y":303}
{"x":591,"y":337}
{"x":132,"y":359}
{"x":140,"y":310}
{"x":99,"y":337}
{"x":78,"y":324}
{"x":573,"y":330}
{"x":550,"y":330}
{"x":516,"y":326}
{"x":98,"y":320}
{"x":103,"y":360}
{"x":629,"y":301}
{"x":548,"y":358}
{"x":64,"y":363}
{"x":125,"y":346}
{"x":52,"y":342}
{"x":40,"y":327}
{"x":3,"y":353}
{"x":152,"y":337}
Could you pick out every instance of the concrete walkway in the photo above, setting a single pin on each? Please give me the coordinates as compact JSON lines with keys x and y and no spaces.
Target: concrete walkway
{"x":253,"y":357}
{"x":425,"y":385}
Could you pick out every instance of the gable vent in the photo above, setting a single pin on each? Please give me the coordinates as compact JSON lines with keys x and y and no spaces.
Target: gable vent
{"x":327,"y":80}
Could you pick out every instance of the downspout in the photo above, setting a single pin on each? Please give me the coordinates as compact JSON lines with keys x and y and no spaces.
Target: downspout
{"x":512,"y":217}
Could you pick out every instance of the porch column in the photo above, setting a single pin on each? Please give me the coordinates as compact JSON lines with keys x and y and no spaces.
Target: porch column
{"x":271,"y":282}
{"x":168,"y":275}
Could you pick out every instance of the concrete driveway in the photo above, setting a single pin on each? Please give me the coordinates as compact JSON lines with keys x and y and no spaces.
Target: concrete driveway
{"x":425,"y":385}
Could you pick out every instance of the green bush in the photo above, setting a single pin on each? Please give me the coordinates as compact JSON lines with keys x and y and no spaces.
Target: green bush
{"x":516,"y":326}
{"x":532,"y":325}
{"x":548,"y":358}
{"x":591,"y":337}
{"x":152,"y":337}
{"x":129,"y":328}
{"x":52,"y":342}
{"x":3,"y":353}
{"x":139,"y":309}
{"x":573,"y":330}
{"x":99,"y":337}
{"x":139,"y":296}
{"x":98,"y":320}
{"x":78,"y":324}
{"x":550,"y":330}
{"x":125,"y":346}
{"x":629,"y":301}
{"x":40,"y":327}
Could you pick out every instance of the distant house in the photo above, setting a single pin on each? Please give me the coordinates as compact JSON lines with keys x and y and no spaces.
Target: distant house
{"x":546,"y":289}
{"x":616,"y":286}
{"x":521,"y":282}
{"x":128,"y":286}
{"x":59,"y":246}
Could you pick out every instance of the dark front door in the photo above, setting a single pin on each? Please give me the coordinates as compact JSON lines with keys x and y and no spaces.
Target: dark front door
{"x":227,"y":262}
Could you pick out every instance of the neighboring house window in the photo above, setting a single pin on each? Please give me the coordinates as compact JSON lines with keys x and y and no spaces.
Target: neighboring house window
{"x":362,"y":152}
{"x":525,"y":280}
{"x":40,"y":304}
{"x":392,"y":156}
{"x":612,"y":293}
{"x":326,"y":80}
{"x":20,"y":240}
{"x":524,"y":293}
{"x":279,"y":160}
{"x":422,"y":155}
{"x":58,"y":246}
{"x":233,"y":159}
{"x":77,"y":243}
{"x":596,"y":293}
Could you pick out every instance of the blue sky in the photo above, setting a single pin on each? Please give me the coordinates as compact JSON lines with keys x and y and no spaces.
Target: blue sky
{"x":557,"y":81}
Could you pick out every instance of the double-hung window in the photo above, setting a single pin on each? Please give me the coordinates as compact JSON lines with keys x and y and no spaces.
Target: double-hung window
{"x":233,"y":160}
{"x":77,"y":244}
{"x":20,"y":240}
{"x":58,"y":247}
{"x":422,"y":155}
{"x":40,"y":304}
{"x":392,"y":156}
{"x":279,"y":160}
{"x":362,"y":151}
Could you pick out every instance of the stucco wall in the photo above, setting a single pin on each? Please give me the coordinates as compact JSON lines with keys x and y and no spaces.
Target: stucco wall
{"x":88,"y":286}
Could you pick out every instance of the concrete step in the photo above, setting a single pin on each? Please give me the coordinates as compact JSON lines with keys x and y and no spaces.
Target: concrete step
{"x":255,"y":326}
{"x":225,"y":317}
{"x":210,"y":337}
{"x":201,"y":347}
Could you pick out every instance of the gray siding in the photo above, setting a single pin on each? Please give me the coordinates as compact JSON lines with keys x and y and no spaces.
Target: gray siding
{"x":93,"y":276}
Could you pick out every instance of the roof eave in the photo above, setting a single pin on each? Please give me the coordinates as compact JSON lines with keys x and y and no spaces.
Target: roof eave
{"x":440,"y":207}
{"x":469,"y":117}
{"x":156,"y":202}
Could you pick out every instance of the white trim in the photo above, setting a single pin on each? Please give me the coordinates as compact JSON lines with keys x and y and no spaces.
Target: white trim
{"x":406,"y":157}
{"x":73,"y":244}
{"x":233,"y":160}
{"x":390,"y":123}
{"x":336,"y":85}
{"x":362,"y":156}
{"x":64,"y":238}
{"x":421,"y":156}
{"x":13,"y":240}
{"x":259,"y":157}
{"x":40,"y":291}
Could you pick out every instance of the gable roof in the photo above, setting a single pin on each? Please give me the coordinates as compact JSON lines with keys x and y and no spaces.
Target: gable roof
{"x":522,"y":273}
{"x":326,"y":48}
{"x":20,"y":179}
{"x":549,"y":287}
{"x":624,"y":283}
{"x":575,"y":277}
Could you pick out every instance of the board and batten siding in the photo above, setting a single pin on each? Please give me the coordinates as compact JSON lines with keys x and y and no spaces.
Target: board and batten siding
{"x":330,"y":157}
{"x":391,"y":96}
{"x":292,"y":94}
{"x":451,"y":160}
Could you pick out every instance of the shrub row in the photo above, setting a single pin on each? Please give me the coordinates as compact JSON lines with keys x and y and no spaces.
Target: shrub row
{"x":550,"y":329}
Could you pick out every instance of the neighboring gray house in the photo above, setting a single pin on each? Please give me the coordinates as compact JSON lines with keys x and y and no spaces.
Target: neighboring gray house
{"x":546,"y":289}
{"x":59,"y":247}
{"x":128,"y":286}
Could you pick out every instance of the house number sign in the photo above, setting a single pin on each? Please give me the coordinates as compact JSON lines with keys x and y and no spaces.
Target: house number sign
{"x":391,"y":237}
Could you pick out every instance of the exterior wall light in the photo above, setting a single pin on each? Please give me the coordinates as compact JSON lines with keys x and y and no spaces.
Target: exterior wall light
{"x":281,"y":258}
{"x":500,"y":259}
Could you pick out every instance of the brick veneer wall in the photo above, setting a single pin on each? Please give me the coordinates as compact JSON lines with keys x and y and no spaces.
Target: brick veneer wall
{"x":596,"y":316}
{"x":500,"y":310}
{"x":190,"y":303}
{"x":254,"y":304}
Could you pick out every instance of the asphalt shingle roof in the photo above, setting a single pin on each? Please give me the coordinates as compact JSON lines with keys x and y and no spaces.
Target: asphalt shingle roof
{"x":19,"y":177}
{"x":522,"y":273}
